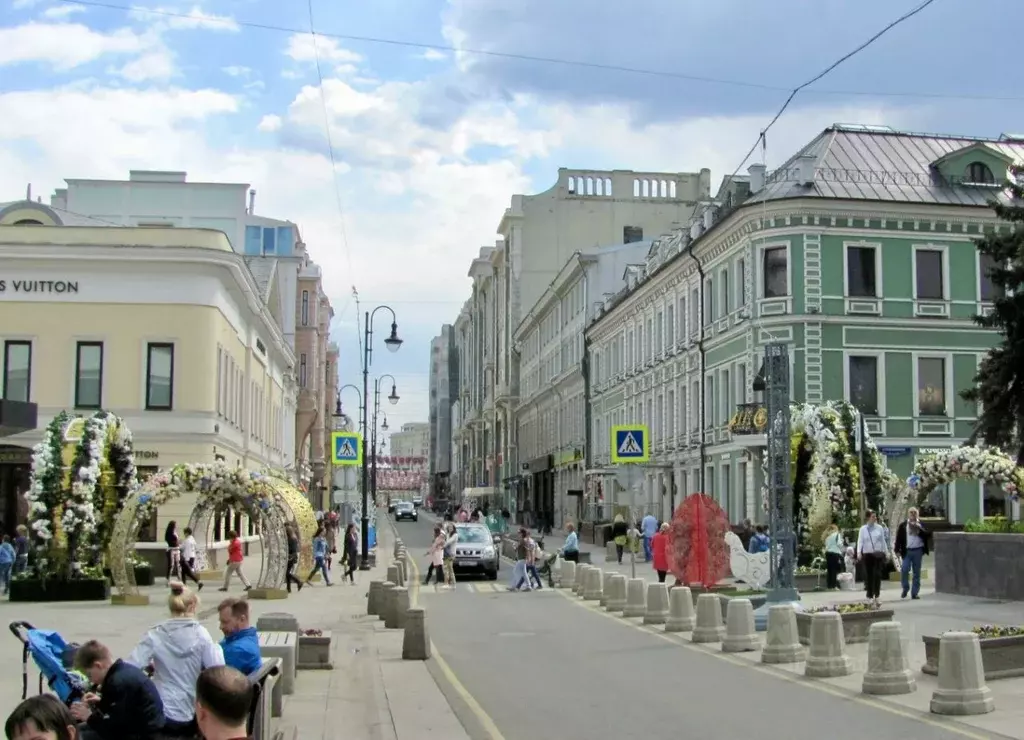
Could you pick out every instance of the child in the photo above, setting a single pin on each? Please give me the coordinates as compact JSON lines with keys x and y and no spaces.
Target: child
{"x":41,"y":717}
{"x":7,"y":558}
{"x":319,"y":556}
{"x":847,"y":580}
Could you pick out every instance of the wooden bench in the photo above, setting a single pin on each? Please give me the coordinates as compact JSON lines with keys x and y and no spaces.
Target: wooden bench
{"x":264,"y":681}
{"x":281,"y":645}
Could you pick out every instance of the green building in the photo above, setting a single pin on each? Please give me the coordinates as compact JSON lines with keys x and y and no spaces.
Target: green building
{"x":858,"y":253}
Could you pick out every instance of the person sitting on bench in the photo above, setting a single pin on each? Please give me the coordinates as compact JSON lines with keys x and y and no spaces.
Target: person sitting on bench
{"x":128,"y":706}
{"x":223,"y":700}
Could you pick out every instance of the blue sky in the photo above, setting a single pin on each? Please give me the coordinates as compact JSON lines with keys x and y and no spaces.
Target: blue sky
{"x":430,"y":145}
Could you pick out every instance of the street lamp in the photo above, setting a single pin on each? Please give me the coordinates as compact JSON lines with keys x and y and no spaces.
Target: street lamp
{"x":394,"y":395}
{"x":392,"y":343}
{"x":373,"y":444}
{"x":384,"y":425}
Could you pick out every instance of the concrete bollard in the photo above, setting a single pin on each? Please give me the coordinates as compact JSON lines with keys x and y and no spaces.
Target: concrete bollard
{"x":567,"y":574}
{"x":635,"y":603}
{"x":709,"y":627}
{"x":373,"y":598}
{"x":617,"y":593}
{"x":398,"y":547}
{"x":606,"y":586}
{"x":962,"y":690}
{"x":782,"y":643}
{"x":393,"y":574}
{"x":594,"y":586}
{"x":386,"y":590}
{"x":740,"y":635}
{"x":581,"y":580}
{"x":657,"y":604}
{"x":416,"y":640}
{"x":680,"y":610}
{"x":399,"y":605}
{"x":826,"y":656}
{"x":611,"y":554}
{"x":888,"y":672}
{"x":401,"y":573}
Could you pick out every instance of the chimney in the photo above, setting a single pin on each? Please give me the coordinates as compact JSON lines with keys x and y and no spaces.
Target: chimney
{"x":757,"y":173}
{"x":709,"y":216}
{"x":252,"y":202}
{"x":28,"y":192}
{"x":805,"y":169}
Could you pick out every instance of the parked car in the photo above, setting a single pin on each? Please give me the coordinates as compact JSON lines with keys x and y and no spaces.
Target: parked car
{"x":417,"y":501}
{"x":475,"y":551}
{"x":405,"y":510}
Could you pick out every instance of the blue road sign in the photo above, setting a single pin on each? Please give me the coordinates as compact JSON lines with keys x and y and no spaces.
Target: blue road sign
{"x":629,"y":444}
{"x":346,"y":448}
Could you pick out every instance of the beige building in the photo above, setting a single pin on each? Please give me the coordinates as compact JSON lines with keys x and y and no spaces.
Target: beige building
{"x":166,"y":328}
{"x":412,"y":441}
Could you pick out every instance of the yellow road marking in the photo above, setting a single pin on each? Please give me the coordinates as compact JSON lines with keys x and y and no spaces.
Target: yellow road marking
{"x":474,"y":706}
{"x":679,"y":641}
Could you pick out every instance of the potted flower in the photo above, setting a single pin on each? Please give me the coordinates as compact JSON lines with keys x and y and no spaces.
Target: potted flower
{"x":810,"y":578}
{"x":1002,"y":651}
{"x":857,"y":620}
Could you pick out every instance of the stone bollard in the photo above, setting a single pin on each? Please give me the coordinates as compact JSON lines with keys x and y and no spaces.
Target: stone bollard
{"x":416,"y":641}
{"x":395,"y":619}
{"x":962,"y":690}
{"x":740,"y":635}
{"x":617,"y":593}
{"x":568,"y":574}
{"x":635,"y":604}
{"x":373,"y":598}
{"x":709,"y":627}
{"x":888,"y":671}
{"x":393,"y":574}
{"x":398,"y":547}
{"x":657,"y":604}
{"x":606,"y":587}
{"x":594,"y":586}
{"x":611,"y":554}
{"x":400,"y":564}
{"x":581,"y":579}
{"x":826,"y":657}
{"x":680,"y":610}
{"x":782,"y":643}
{"x":386,"y":590}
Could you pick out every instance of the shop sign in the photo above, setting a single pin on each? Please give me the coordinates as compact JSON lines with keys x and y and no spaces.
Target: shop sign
{"x":146,"y":454}
{"x":751,"y":418}
{"x":38,"y":286}
{"x":932,"y":450}
{"x":894,"y":451}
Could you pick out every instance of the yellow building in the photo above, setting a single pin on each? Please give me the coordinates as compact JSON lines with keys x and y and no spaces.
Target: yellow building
{"x":166,"y":328}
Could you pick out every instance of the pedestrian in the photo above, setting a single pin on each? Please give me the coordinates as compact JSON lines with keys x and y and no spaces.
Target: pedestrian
{"x":235,"y":559}
{"x":7,"y":558}
{"x":871,"y":551}
{"x":189,"y":552}
{"x":649,"y":527}
{"x":20,"y":549}
{"x":527,"y":554}
{"x":451,"y":540}
{"x":659,"y":552}
{"x":319,"y":556}
{"x":173,"y":550}
{"x":911,"y":545}
{"x":293,"y":557}
{"x":746,"y":533}
{"x":834,"y":549}
{"x":571,"y":548}
{"x":331,"y":532}
{"x":436,"y":555}
{"x":519,"y":570}
{"x":42,"y":717}
{"x":760,"y":542}
{"x":351,"y":553}
{"x":620,"y":533}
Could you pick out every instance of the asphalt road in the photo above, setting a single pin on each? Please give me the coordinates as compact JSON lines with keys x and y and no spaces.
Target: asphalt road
{"x":541,"y":666}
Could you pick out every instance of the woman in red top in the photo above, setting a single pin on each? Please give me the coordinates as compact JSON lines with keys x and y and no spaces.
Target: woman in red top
{"x":235,"y":562}
{"x":659,"y":551}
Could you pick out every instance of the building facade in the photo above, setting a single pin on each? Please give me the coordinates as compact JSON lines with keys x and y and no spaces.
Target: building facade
{"x":165,"y":328}
{"x":858,"y":253}
{"x":413,"y":440}
{"x":443,"y":389}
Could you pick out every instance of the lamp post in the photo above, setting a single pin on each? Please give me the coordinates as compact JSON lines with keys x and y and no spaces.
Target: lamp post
{"x":393,"y":343}
{"x":337,"y":404}
{"x":393,"y":398}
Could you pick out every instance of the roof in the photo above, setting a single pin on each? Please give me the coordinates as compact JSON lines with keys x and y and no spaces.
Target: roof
{"x":65,"y":218}
{"x":262,"y":269}
{"x":881,"y":164}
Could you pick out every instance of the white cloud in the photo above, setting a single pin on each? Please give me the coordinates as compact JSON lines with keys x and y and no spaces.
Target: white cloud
{"x":65,"y":45}
{"x":23,"y":4}
{"x":302,"y":49}
{"x":269,"y":123}
{"x":433,"y":55}
{"x":192,"y":20}
{"x":155,"y":65}
{"x":236,"y":71}
{"x":57,"y":12}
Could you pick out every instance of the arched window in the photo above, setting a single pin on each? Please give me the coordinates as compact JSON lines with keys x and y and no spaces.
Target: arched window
{"x":978,"y":173}
{"x":28,"y":222}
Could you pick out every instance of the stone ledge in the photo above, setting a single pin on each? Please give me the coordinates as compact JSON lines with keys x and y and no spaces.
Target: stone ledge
{"x":856,"y":625}
{"x":1001,"y":657}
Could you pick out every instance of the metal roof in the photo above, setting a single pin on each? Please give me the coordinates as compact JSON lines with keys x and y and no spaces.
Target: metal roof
{"x":262,"y":269}
{"x":881,"y":164}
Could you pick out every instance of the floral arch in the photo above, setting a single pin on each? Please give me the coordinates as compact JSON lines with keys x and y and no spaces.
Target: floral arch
{"x":82,"y":473}
{"x":989,"y":464}
{"x":215,"y":485}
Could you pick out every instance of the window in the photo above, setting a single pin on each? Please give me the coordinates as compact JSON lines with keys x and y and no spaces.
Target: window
{"x":931,"y":386}
{"x":726,"y":308}
{"x":861,"y":272}
{"x":89,"y":375}
{"x":709,"y":302}
{"x":269,"y":241}
{"x":159,"y":376}
{"x":709,"y":402}
{"x":302,"y":370}
{"x":978,"y":173}
{"x":994,"y":501}
{"x":694,"y":309}
{"x":17,"y":370}
{"x":928,"y":272}
{"x":864,"y":384}
{"x":775,"y":270}
{"x":988,"y":291}
{"x":631,"y":234}
{"x":741,"y":282}
{"x":305,"y":308}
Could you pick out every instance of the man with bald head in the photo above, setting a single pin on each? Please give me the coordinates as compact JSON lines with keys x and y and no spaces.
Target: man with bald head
{"x":223,"y":700}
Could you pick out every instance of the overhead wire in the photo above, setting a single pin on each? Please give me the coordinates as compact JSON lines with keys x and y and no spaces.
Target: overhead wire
{"x":513,"y":56}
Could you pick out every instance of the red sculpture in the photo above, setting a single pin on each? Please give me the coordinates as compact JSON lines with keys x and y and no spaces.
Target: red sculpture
{"x":697,"y":553}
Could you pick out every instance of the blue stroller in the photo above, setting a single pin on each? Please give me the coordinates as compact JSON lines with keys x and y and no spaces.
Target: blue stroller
{"x":53,"y":657}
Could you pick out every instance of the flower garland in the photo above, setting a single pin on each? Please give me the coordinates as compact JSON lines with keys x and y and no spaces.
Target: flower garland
{"x":988,"y":464}
{"x":217,"y":483}
{"x":79,"y":519}
{"x":44,"y":495}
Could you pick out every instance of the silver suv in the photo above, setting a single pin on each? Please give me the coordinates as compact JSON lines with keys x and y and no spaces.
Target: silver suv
{"x":475,"y":551}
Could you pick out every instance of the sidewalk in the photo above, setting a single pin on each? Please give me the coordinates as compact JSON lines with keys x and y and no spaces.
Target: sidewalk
{"x":371,"y":693}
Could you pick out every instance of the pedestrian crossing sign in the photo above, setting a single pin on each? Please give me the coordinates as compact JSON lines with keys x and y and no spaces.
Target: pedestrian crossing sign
{"x":346,"y":448}
{"x":629,"y":444}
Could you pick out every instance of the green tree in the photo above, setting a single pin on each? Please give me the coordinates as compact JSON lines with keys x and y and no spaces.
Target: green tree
{"x":999,"y":384}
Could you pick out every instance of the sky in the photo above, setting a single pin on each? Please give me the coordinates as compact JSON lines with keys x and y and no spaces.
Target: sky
{"x":438,"y":111}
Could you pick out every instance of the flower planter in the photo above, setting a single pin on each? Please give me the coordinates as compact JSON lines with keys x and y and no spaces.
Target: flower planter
{"x":808,"y":581}
{"x":85,"y":589}
{"x":315,"y":652}
{"x":1001,"y":657}
{"x":143,"y":575}
{"x":855,"y":624}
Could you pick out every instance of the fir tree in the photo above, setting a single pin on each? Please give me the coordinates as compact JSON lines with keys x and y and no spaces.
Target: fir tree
{"x":999,"y":384}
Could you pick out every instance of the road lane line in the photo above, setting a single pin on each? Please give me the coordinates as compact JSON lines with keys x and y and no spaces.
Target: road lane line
{"x":474,"y":706}
{"x":679,"y":641}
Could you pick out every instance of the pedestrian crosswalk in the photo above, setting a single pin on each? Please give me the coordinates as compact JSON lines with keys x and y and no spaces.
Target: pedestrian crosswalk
{"x":474,"y":587}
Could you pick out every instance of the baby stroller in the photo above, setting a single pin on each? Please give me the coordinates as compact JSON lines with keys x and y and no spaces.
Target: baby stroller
{"x":54,"y":658}
{"x":548,"y":568}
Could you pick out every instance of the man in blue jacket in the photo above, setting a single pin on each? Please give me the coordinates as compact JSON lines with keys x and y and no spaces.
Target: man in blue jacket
{"x":241,"y":644}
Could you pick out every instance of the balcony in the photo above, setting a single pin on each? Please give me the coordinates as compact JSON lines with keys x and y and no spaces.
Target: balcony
{"x":749,"y":425}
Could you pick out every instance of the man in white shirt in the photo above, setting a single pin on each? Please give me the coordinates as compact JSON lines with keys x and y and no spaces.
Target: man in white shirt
{"x":911,"y":545}
{"x":189,"y":553}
